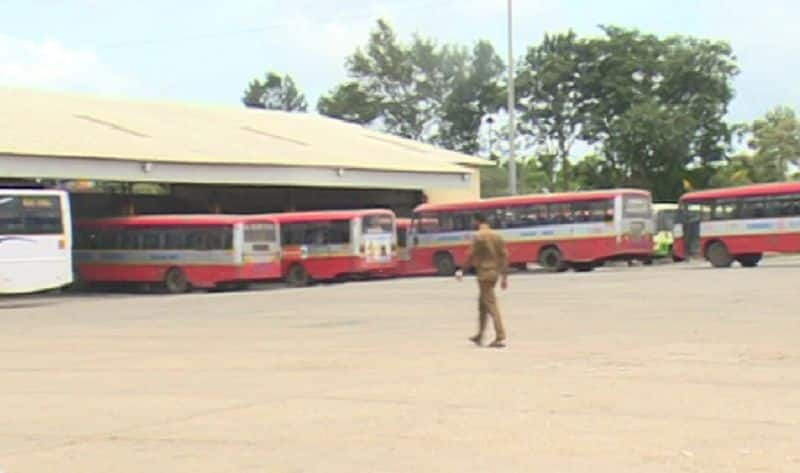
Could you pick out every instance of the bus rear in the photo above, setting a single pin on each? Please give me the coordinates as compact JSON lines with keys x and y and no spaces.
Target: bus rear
{"x":35,"y":240}
{"x":377,"y":242}
{"x":327,"y":245}
{"x":633,"y":225}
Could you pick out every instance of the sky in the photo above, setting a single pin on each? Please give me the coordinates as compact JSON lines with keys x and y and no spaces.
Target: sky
{"x":207,"y":52}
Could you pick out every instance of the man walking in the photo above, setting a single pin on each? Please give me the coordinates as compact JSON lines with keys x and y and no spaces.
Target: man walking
{"x":489,"y":258}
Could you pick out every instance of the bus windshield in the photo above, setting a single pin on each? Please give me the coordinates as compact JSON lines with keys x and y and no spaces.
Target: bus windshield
{"x":30,"y":215}
{"x":634,"y":206}
{"x":665,"y":220}
{"x":377,"y":224}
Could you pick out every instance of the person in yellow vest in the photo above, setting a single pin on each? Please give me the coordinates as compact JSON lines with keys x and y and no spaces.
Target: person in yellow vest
{"x":489,"y":258}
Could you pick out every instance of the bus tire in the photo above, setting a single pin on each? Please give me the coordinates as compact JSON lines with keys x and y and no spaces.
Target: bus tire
{"x":749,"y":260}
{"x":718,"y":255}
{"x":551,"y":259}
{"x":444,"y":263}
{"x":175,"y":281}
{"x":297,"y":276}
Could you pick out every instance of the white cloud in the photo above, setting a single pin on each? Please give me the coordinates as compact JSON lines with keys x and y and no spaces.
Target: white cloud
{"x":51,"y":65}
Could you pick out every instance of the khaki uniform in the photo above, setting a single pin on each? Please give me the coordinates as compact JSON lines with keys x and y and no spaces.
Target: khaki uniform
{"x":489,"y":258}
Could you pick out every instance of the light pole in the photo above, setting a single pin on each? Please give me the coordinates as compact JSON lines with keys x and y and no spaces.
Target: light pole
{"x":490,"y":121}
{"x":512,"y":131}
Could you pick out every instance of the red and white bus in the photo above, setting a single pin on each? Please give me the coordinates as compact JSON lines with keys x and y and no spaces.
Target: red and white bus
{"x":558,"y":231}
{"x":178,"y":252}
{"x":327,"y":245}
{"x":739,"y":223}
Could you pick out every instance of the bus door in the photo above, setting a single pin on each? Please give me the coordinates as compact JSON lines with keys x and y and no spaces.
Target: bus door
{"x":691,"y":219}
{"x":405,"y":240}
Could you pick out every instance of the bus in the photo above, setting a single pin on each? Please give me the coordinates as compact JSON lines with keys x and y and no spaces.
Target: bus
{"x":328,"y":245}
{"x":178,"y":252}
{"x":35,"y":240}
{"x":739,"y":223}
{"x":664,"y":217}
{"x":578,"y":230}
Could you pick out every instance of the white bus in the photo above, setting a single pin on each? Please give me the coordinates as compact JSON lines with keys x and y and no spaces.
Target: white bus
{"x":35,"y":240}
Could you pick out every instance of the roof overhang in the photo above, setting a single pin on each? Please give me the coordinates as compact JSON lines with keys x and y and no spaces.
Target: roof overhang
{"x":60,"y":167}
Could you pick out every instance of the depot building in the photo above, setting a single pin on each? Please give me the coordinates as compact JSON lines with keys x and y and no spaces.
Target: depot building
{"x":125,"y":157}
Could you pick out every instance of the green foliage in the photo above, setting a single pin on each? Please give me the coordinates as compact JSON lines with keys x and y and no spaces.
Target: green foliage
{"x":659,"y":105}
{"x":774,"y":141}
{"x":421,"y":90}
{"x":654,"y":106}
{"x":551,"y":98}
{"x":275,"y":92}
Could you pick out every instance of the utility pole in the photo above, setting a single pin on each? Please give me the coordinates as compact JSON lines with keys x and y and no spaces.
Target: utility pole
{"x":512,"y":133}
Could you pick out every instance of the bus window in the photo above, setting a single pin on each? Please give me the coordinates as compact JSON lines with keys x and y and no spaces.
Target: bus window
{"x":151,"y":240}
{"x":30,"y":215}
{"x":377,"y":224}
{"x":428,"y":223}
{"x":725,"y":210}
{"x":259,"y":232}
{"x":699,"y":212}
{"x":560,"y":213}
{"x":130,"y":240}
{"x":753,"y":208}
{"x":339,"y":232}
{"x":215,"y":239}
{"x":42,"y":215}
{"x":601,"y":210}
{"x":108,"y":240}
{"x":582,"y":212}
{"x":634,"y":206}
{"x":174,"y":239}
{"x":196,"y":240}
{"x":11,"y":221}
{"x":665,"y":220}
{"x":315,"y":235}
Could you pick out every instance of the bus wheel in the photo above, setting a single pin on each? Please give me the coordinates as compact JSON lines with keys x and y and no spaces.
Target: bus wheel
{"x":297,"y":276}
{"x":175,"y":281}
{"x":444,"y":264}
{"x":717,"y":253}
{"x":552,"y":260}
{"x":749,"y":261}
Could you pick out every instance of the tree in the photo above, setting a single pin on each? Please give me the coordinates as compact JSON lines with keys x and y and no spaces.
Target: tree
{"x":654,"y":106}
{"x":276,"y":92}
{"x":422,"y":90}
{"x":776,"y":144}
{"x":552,"y":101}
{"x":475,"y":94}
{"x":591,"y":173}
{"x":349,"y":102}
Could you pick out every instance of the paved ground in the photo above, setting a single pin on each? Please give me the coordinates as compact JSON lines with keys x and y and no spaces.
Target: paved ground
{"x":662,"y":369}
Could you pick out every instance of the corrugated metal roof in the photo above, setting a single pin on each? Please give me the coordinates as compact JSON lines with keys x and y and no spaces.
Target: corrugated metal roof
{"x":34,"y":123}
